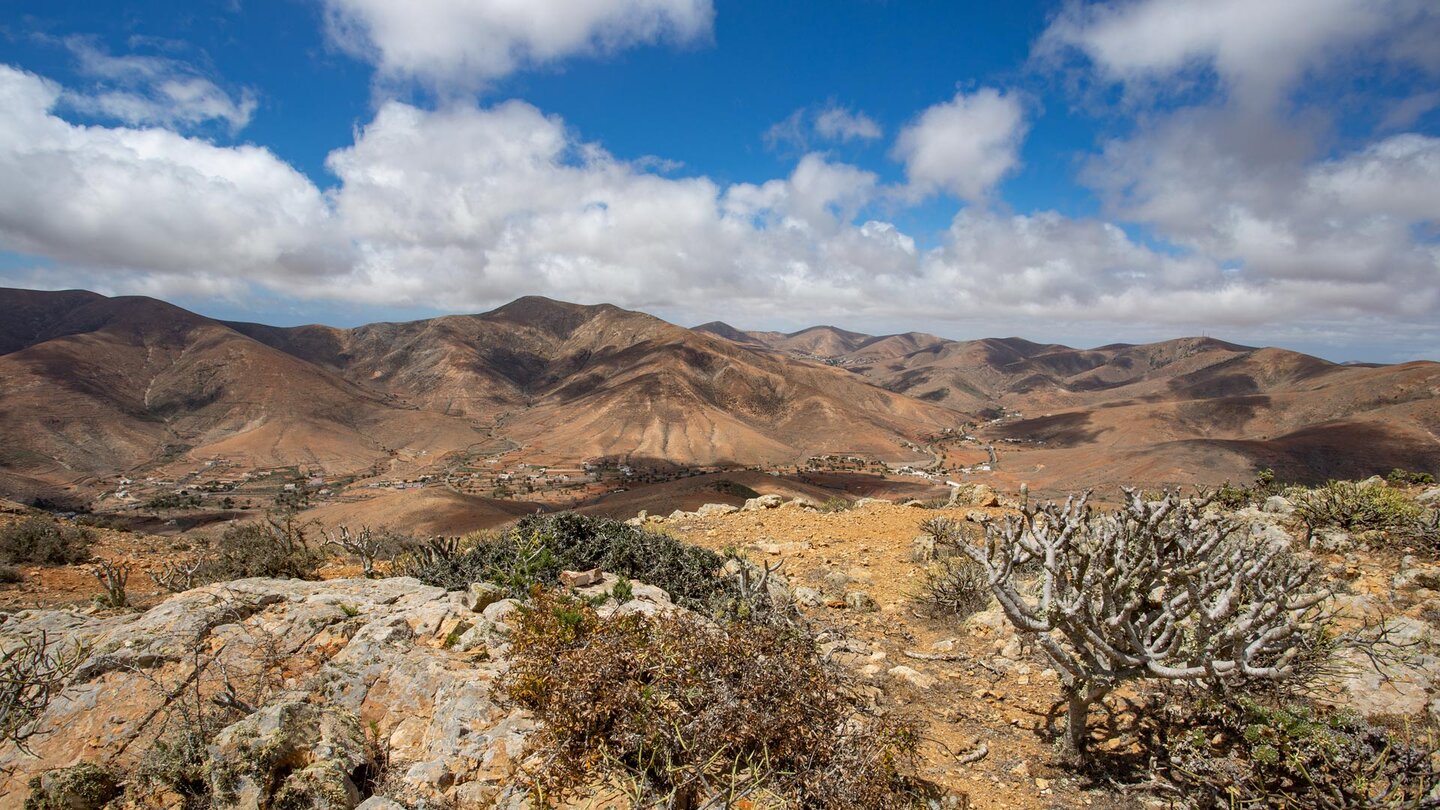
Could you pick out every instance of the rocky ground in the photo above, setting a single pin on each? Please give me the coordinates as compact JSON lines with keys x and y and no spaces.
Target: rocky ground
{"x":353,"y":685}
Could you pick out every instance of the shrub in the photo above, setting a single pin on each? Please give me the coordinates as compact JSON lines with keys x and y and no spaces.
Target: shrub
{"x":10,"y":575}
{"x":1404,"y":478}
{"x":1161,"y":589}
{"x":32,"y":672}
{"x":539,"y":547}
{"x":1236,"y":752}
{"x":956,"y":587}
{"x":835,"y":505}
{"x":274,"y":547}
{"x":80,"y":786}
{"x":44,"y":541}
{"x":1355,"y":506}
{"x":682,"y":711}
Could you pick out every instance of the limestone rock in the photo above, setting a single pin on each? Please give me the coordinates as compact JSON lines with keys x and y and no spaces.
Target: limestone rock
{"x":291,"y":753}
{"x":808,"y":597}
{"x":864,"y":502}
{"x":482,"y":595}
{"x":1430,"y":496}
{"x":1278,"y":505}
{"x":579,"y":579}
{"x":713,"y":509}
{"x":762,"y":503}
{"x":352,"y":648}
{"x":914,"y":677}
{"x":859,"y":601}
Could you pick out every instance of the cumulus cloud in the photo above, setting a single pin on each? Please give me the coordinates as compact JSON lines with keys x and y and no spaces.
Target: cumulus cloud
{"x":468,"y":206}
{"x":149,"y":199}
{"x":467,"y":43}
{"x":140,"y":89}
{"x":964,"y":146}
{"x":1258,"y":51}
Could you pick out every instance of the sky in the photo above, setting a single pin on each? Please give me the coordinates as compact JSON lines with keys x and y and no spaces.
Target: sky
{"x":1084,"y":173}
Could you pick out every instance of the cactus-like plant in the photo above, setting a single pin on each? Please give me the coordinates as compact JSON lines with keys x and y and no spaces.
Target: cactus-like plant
{"x":1159,"y":589}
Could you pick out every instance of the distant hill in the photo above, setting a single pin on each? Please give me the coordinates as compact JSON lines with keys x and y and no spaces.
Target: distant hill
{"x":1177,"y":411}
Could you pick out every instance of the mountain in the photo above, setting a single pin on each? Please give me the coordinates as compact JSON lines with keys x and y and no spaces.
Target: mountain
{"x":1170,"y":412}
{"x":93,"y":386}
{"x":578,"y":382}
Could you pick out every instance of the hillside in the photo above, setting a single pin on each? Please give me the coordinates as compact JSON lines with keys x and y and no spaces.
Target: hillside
{"x":93,"y":386}
{"x":1178,"y":411}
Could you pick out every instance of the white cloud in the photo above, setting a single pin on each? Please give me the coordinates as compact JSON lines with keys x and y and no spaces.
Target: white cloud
{"x":807,"y":126}
{"x":138,"y":89}
{"x":148,"y":199}
{"x":1258,"y":50}
{"x":840,"y":124}
{"x":964,"y":146}
{"x":466,"y":207}
{"x":467,"y":43}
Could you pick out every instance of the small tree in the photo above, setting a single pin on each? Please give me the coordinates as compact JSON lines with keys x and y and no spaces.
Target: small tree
{"x":1159,"y":589}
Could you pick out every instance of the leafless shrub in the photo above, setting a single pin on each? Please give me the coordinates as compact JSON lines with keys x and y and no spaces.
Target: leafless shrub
{"x":955,"y":586}
{"x":32,"y":673}
{"x":178,"y":577}
{"x":1160,"y":589}
{"x":368,"y":546}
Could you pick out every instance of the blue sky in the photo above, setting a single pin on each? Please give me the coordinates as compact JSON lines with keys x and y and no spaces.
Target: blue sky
{"x":1075,"y":172}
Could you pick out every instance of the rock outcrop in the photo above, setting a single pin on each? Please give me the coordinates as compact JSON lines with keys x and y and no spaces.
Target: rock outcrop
{"x":316,"y":676}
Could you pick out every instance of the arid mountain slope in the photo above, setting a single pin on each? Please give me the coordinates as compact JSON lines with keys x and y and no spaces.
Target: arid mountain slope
{"x":1175,"y":411}
{"x":586,"y":381}
{"x":93,"y":386}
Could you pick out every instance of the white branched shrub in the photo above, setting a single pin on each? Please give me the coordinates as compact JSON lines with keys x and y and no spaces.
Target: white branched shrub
{"x":1159,"y":589}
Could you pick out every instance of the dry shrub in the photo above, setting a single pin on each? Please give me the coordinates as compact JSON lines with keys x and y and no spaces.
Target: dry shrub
{"x":1239,"y":752}
{"x":1356,"y":506}
{"x":278,"y":546}
{"x":44,"y":541}
{"x":955,"y":587}
{"x":680,"y":711}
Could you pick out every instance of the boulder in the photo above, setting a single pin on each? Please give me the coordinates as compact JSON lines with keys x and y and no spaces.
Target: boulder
{"x":1430,"y":497}
{"x":980,"y":495}
{"x":1278,"y":505}
{"x":713,"y":509}
{"x":1417,"y":577}
{"x":482,"y":595}
{"x":290,"y":753}
{"x":762,"y":503}
{"x":808,"y":597}
{"x":864,"y":502}
{"x":85,"y":786}
{"x":859,"y":601}
{"x":352,"y":648}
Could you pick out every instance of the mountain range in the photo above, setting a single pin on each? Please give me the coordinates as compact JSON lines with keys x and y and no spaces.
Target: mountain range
{"x":93,"y":386}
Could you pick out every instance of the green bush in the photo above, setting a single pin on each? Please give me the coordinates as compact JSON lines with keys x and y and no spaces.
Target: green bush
{"x":1237,"y":752}
{"x":44,"y":541}
{"x":539,"y":547}
{"x":682,"y":711}
{"x":1403,"y":478}
{"x":78,"y":786}
{"x":1356,"y":506}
